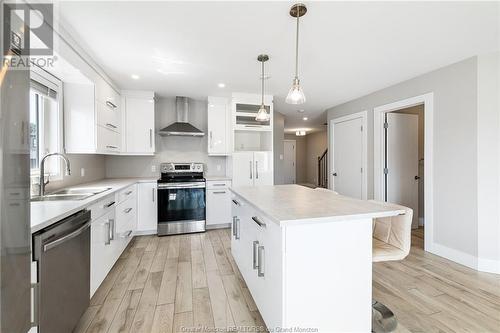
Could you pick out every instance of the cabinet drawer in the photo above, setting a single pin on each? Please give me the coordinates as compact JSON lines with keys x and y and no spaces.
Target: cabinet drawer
{"x":108,"y":117}
{"x":108,"y":141}
{"x":126,"y":193}
{"x":126,"y":216}
{"x":102,"y":207}
{"x":218,"y":184}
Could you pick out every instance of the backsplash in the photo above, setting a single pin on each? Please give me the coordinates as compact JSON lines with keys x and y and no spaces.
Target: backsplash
{"x":170,"y":148}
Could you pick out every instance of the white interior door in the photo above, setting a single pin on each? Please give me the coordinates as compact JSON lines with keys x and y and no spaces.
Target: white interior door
{"x":402,"y":161}
{"x":243,"y":169}
{"x":263,"y":168}
{"x":289,"y":161}
{"x":348,"y":158}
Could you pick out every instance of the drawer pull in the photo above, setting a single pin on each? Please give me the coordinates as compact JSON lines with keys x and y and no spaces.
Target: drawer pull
{"x":261,"y":262}
{"x":126,"y":234}
{"x":236,"y":202}
{"x":218,"y":184}
{"x":255,"y":254}
{"x":219,"y":192}
{"x":109,"y":204}
{"x":258,"y":221}
{"x":111,"y":125}
{"x":128,"y":210}
{"x":111,"y":104}
{"x":128,"y":193}
{"x":111,"y":147}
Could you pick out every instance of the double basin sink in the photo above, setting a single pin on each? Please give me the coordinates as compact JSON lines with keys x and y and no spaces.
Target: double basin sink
{"x":72,"y":194}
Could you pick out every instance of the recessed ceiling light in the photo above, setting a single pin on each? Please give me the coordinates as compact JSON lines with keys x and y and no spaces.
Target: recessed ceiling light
{"x":305,"y":118}
{"x":221,"y":85}
{"x":135,"y":76}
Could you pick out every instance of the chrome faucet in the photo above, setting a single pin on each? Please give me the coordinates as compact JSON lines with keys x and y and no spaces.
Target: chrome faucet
{"x":42,"y":170}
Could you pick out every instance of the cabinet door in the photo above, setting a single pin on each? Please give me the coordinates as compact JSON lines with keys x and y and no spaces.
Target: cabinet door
{"x":243,"y":169}
{"x":140,"y":119}
{"x":147,"y":207}
{"x":263,"y":165}
{"x":108,"y":141}
{"x":101,"y":251}
{"x":109,"y":117}
{"x":218,"y":206}
{"x":217,"y":126}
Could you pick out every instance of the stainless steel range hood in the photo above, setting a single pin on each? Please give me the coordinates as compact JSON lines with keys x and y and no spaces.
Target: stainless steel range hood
{"x":181,"y":127}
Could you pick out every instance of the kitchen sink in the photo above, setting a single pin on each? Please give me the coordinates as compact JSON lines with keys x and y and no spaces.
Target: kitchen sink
{"x":63,"y":197}
{"x":72,"y":194}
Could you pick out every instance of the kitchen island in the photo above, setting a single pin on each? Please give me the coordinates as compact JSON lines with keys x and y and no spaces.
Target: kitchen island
{"x":306,"y":256}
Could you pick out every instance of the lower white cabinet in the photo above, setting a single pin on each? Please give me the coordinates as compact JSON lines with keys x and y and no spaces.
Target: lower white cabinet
{"x":253,"y":168}
{"x":147,"y":208}
{"x":218,"y":203}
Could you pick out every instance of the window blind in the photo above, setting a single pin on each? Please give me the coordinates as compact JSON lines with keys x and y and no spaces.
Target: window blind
{"x":43,"y":89}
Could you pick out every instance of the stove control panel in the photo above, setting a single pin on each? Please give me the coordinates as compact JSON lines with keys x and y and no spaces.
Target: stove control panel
{"x":181,"y":167}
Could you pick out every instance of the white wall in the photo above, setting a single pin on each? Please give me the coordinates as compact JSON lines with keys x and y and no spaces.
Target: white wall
{"x":170,"y":148}
{"x":278,"y":148}
{"x":455,"y":187}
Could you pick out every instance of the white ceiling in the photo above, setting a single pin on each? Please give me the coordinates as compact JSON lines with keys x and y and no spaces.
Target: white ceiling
{"x":348,"y":49}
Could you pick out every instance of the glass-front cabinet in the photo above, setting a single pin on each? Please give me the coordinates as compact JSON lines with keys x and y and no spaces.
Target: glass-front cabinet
{"x":245,"y":108}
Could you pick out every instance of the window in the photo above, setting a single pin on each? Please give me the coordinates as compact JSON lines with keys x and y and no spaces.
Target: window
{"x":45,"y":123}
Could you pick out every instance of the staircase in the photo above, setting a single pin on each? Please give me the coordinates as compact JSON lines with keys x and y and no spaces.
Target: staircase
{"x":323,"y":170}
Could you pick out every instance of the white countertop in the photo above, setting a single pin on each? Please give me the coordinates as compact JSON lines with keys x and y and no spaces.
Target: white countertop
{"x":295,"y":203}
{"x":44,"y":213}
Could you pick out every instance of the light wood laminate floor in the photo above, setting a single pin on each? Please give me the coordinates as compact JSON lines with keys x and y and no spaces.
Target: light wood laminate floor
{"x":161,"y":284}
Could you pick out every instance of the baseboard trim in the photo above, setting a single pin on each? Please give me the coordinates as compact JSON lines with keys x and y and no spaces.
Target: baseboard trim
{"x":462,"y":258}
{"x":421,"y":221}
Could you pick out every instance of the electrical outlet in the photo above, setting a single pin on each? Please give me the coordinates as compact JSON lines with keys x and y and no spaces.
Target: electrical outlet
{"x":281,"y":156}
{"x":153,"y":168}
{"x":82,"y":172}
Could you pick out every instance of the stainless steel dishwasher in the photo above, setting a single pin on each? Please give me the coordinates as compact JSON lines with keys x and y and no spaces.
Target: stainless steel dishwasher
{"x":62,"y":252}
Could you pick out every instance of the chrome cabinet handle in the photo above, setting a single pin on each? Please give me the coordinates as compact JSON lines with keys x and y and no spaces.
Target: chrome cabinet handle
{"x":256,"y":169}
{"x":111,"y":147}
{"x":153,"y":194}
{"x":219,"y":192}
{"x":211,"y":140}
{"x":236,"y":202}
{"x":109,"y":204}
{"x":128,"y":193}
{"x":108,"y":233}
{"x":261,"y":262}
{"x":111,"y":125}
{"x":255,"y":254}
{"x":258,"y":221}
{"x":251,"y":170}
{"x":237,"y":236}
{"x":111,"y":229}
{"x":234,"y":226}
{"x":128,"y":210}
{"x":219,"y":185}
{"x":151,"y":138}
{"x":126,"y":234}
{"x":111,"y":104}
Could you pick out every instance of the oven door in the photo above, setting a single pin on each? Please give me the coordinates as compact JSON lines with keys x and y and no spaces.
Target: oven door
{"x":181,"y":208}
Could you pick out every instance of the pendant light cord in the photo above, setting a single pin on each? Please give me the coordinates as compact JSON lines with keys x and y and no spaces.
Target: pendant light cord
{"x":262,"y":82}
{"x":297,"y":46}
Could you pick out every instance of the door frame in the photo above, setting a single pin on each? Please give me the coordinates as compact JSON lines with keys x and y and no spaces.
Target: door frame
{"x":379,"y":155}
{"x":294,"y":158}
{"x":364,"y":156}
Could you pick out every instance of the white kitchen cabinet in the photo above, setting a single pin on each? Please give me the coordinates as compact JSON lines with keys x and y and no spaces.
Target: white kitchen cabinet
{"x":244,"y":110}
{"x":126,"y":212}
{"x":252,"y":168}
{"x":139,"y":119}
{"x":218,"y":126}
{"x":92,"y":124}
{"x":147,"y":208}
{"x":218,"y":203}
{"x":102,"y":253}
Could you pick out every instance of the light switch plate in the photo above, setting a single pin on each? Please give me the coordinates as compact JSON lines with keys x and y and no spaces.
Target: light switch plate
{"x":153,"y":168}
{"x":218,"y":167}
{"x":82,"y":172}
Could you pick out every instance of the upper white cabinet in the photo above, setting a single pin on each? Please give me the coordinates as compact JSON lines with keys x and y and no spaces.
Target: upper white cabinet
{"x":218,"y":126}
{"x":92,"y":124}
{"x":245,"y":108}
{"x":138,"y":138}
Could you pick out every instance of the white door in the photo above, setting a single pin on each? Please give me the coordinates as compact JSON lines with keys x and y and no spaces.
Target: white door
{"x":217,"y":126}
{"x":347,"y":166}
{"x":289,"y":161}
{"x":263,"y":165}
{"x":243,"y":169}
{"x":147,"y":207}
{"x":402,"y":161}
{"x":140,"y":119}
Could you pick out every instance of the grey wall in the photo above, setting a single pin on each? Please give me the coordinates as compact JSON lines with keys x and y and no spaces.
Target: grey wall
{"x":455,"y":140}
{"x":278,"y":136}
{"x":171,"y":148}
{"x":94,"y":170}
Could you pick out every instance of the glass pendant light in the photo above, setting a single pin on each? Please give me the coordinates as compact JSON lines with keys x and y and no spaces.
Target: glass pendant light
{"x":296,"y":94}
{"x":262,"y":114}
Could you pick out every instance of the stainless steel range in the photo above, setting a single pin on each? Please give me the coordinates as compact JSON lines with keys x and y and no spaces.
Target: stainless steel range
{"x":181,"y":199}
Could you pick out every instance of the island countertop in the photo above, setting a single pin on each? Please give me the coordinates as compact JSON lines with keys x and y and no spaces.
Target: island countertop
{"x":296,"y":204}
